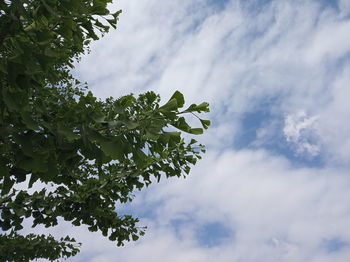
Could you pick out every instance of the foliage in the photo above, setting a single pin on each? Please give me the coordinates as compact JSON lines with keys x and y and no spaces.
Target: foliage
{"x":24,"y":248}
{"x":90,"y":154}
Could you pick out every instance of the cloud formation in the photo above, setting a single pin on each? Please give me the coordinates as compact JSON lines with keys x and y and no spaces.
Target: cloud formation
{"x":299,"y":129}
{"x":277,"y":76}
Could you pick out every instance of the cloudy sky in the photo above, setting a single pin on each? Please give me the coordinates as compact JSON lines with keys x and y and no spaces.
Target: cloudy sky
{"x":275,"y":182}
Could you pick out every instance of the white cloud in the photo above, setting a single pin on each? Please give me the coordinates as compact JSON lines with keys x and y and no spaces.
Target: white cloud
{"x":344,"y":7}
{"x":323,"y":46}
{"x":334,"y":118}
{"x":288,"y":57}
{"x":235,"y":58}
{"x":262,"y":199}
{"x":300,"y":130}
{"x":276,"y":213}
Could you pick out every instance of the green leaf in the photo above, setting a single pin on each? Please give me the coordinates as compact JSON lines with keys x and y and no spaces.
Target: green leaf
{"x":112,"y":22}
{"x":97,"y":136}
{"x":179,"y":99}
{"x":132,"y":125}
{"x":100,"y":10}
{"x":141,"y":159}
{"x":67,"y":133}
{"x":135,"y":237}
{"x":92,"y":228}
{"x":33,"y":178}
{"x":182,"y":125}
{"x":191,"y":159}
{"x":193,"y":141}
{"x":203,"y":107}
{"x":196,"y":131}
{"x":7,"y":185}
{"x":34,"y":164}
{"x":174,"y":136}
{"x":151,"y":135}
{"x":205,"y":123}
{"x":113,"y":149}
{"x":20,"y":212}
{"x":169,"y":106}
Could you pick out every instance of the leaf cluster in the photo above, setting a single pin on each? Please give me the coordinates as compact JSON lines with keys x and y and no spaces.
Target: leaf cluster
{"x":90,"y":154}
{"x":25,"y":248}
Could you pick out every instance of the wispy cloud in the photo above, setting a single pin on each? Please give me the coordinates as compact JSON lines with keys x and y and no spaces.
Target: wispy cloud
{"x":259,"y":64}
{"x":271,"y":211}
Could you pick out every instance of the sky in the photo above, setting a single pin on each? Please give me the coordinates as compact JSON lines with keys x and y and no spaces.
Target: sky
{"x":274,"y":184}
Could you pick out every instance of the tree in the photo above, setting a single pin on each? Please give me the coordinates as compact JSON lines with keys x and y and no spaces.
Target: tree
{"x":89,"y":154}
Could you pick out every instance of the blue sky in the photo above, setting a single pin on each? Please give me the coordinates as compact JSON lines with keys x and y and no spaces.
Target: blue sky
{"x":274,"y":184}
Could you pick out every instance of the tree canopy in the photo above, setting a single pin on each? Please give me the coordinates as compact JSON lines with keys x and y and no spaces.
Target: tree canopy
{"x":88,"y":154}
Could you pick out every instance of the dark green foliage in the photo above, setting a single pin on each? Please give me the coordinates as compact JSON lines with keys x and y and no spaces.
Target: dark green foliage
{"x":14,"y":247}
{"x":91,"y":154}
